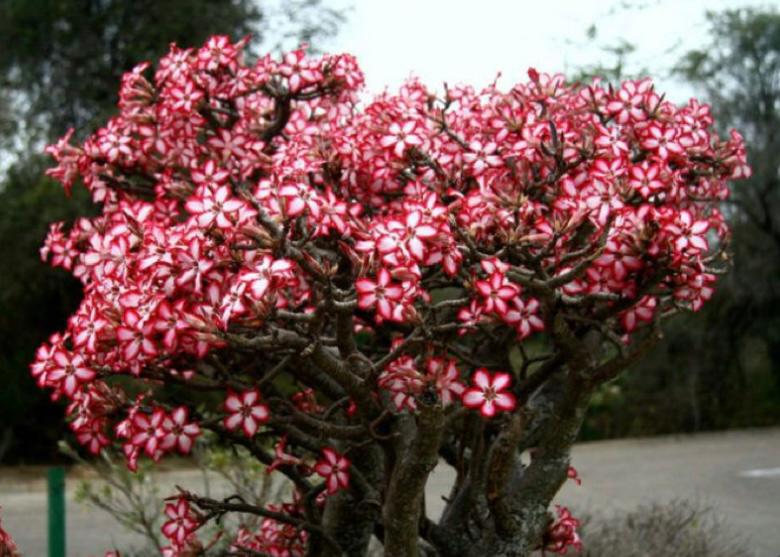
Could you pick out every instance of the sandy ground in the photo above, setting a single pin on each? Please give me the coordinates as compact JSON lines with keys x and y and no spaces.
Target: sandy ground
{"x":737,"y":474}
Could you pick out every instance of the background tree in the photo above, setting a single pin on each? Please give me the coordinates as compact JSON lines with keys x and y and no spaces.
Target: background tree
{"x":354,"y":291}
{"x":739,"y":72}
{"x":612,"y":67}
{"x":63,"y":59}
{"x":720,"y":368}
{"x":60,"y":67}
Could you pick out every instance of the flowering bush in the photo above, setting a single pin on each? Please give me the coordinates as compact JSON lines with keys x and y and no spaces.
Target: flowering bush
{"x":355,"y":290}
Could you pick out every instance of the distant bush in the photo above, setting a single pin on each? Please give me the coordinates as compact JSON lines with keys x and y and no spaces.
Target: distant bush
{"x":135,"y":501}
{"x":677,"y":529}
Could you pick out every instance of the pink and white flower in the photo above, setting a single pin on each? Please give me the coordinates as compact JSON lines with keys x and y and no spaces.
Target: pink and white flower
{"x":181,"y":523}
{"x":180,"y":433}
{"x":400,"y":136}
{"x":382,"y":293}
{"x":334,"y":467}
{"x":489,"y":393}
{"x":246,"y":411}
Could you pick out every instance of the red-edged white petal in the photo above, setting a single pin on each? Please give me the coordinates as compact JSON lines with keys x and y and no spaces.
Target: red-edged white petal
{"x":481,"y":379}
{"x":323,"y":469}
{"x":364,"y":286}
{"x":250,"y":426}
{"x":505,"y":401}
{"x":250,"y":397}
{"x":488,"y":409}
{"x":185,"y":443}
{"x":233,"y":421}
{"x":259,"y":412}
{"x":501,"y":381}
{"x":473,"y":398}
{"x":232,"y":403}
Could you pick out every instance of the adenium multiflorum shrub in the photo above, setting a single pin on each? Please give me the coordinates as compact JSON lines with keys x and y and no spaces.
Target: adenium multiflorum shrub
{"x":355,"y":290}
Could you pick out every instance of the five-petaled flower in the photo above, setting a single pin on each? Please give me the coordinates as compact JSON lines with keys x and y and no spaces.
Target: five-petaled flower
{"x":489,"y":393}
{"x":149,"y":431}
{"x":181,"y":522}
{"x":382,"y":293}
{"x":496,"y":291}
{"x":69,"y":372}
{"x":401,"y":136}
{"x":334,"y":467}
{"x":180,"y":433}
{"x":245,"y":410}
{"x":210,"y":207}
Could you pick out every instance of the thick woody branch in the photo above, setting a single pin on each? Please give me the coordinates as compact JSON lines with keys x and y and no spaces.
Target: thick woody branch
{"x":522,"y":506}
{"x":502,"y":458}
{"x":403,"y":502}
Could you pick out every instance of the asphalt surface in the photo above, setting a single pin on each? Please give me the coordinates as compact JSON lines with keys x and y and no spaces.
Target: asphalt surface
{"x":736,"y":474}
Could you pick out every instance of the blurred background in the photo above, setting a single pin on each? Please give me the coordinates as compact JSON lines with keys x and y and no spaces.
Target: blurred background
{"x":60,"y":66}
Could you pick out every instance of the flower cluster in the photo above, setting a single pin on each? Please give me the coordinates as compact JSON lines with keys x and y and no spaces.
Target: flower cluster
{"x":273,"y":537}
{"x":405,"y":382}
{"x":562,"y":533}
{"x":154,"y":433}
{"x":258,"y":208}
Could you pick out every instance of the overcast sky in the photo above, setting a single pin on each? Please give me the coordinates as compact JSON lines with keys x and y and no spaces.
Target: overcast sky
{"x":469,"y":41}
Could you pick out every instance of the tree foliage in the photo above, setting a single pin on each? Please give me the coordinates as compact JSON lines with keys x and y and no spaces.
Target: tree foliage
{"x":33,"y":301}
{"x":739,"y":72}
{"x":67,"y":56}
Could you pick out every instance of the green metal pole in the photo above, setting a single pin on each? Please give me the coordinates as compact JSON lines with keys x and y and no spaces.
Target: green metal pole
{"x":56,"y":512}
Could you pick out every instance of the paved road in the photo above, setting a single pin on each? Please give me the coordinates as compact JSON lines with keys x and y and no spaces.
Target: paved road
{"x":737,"y":474}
